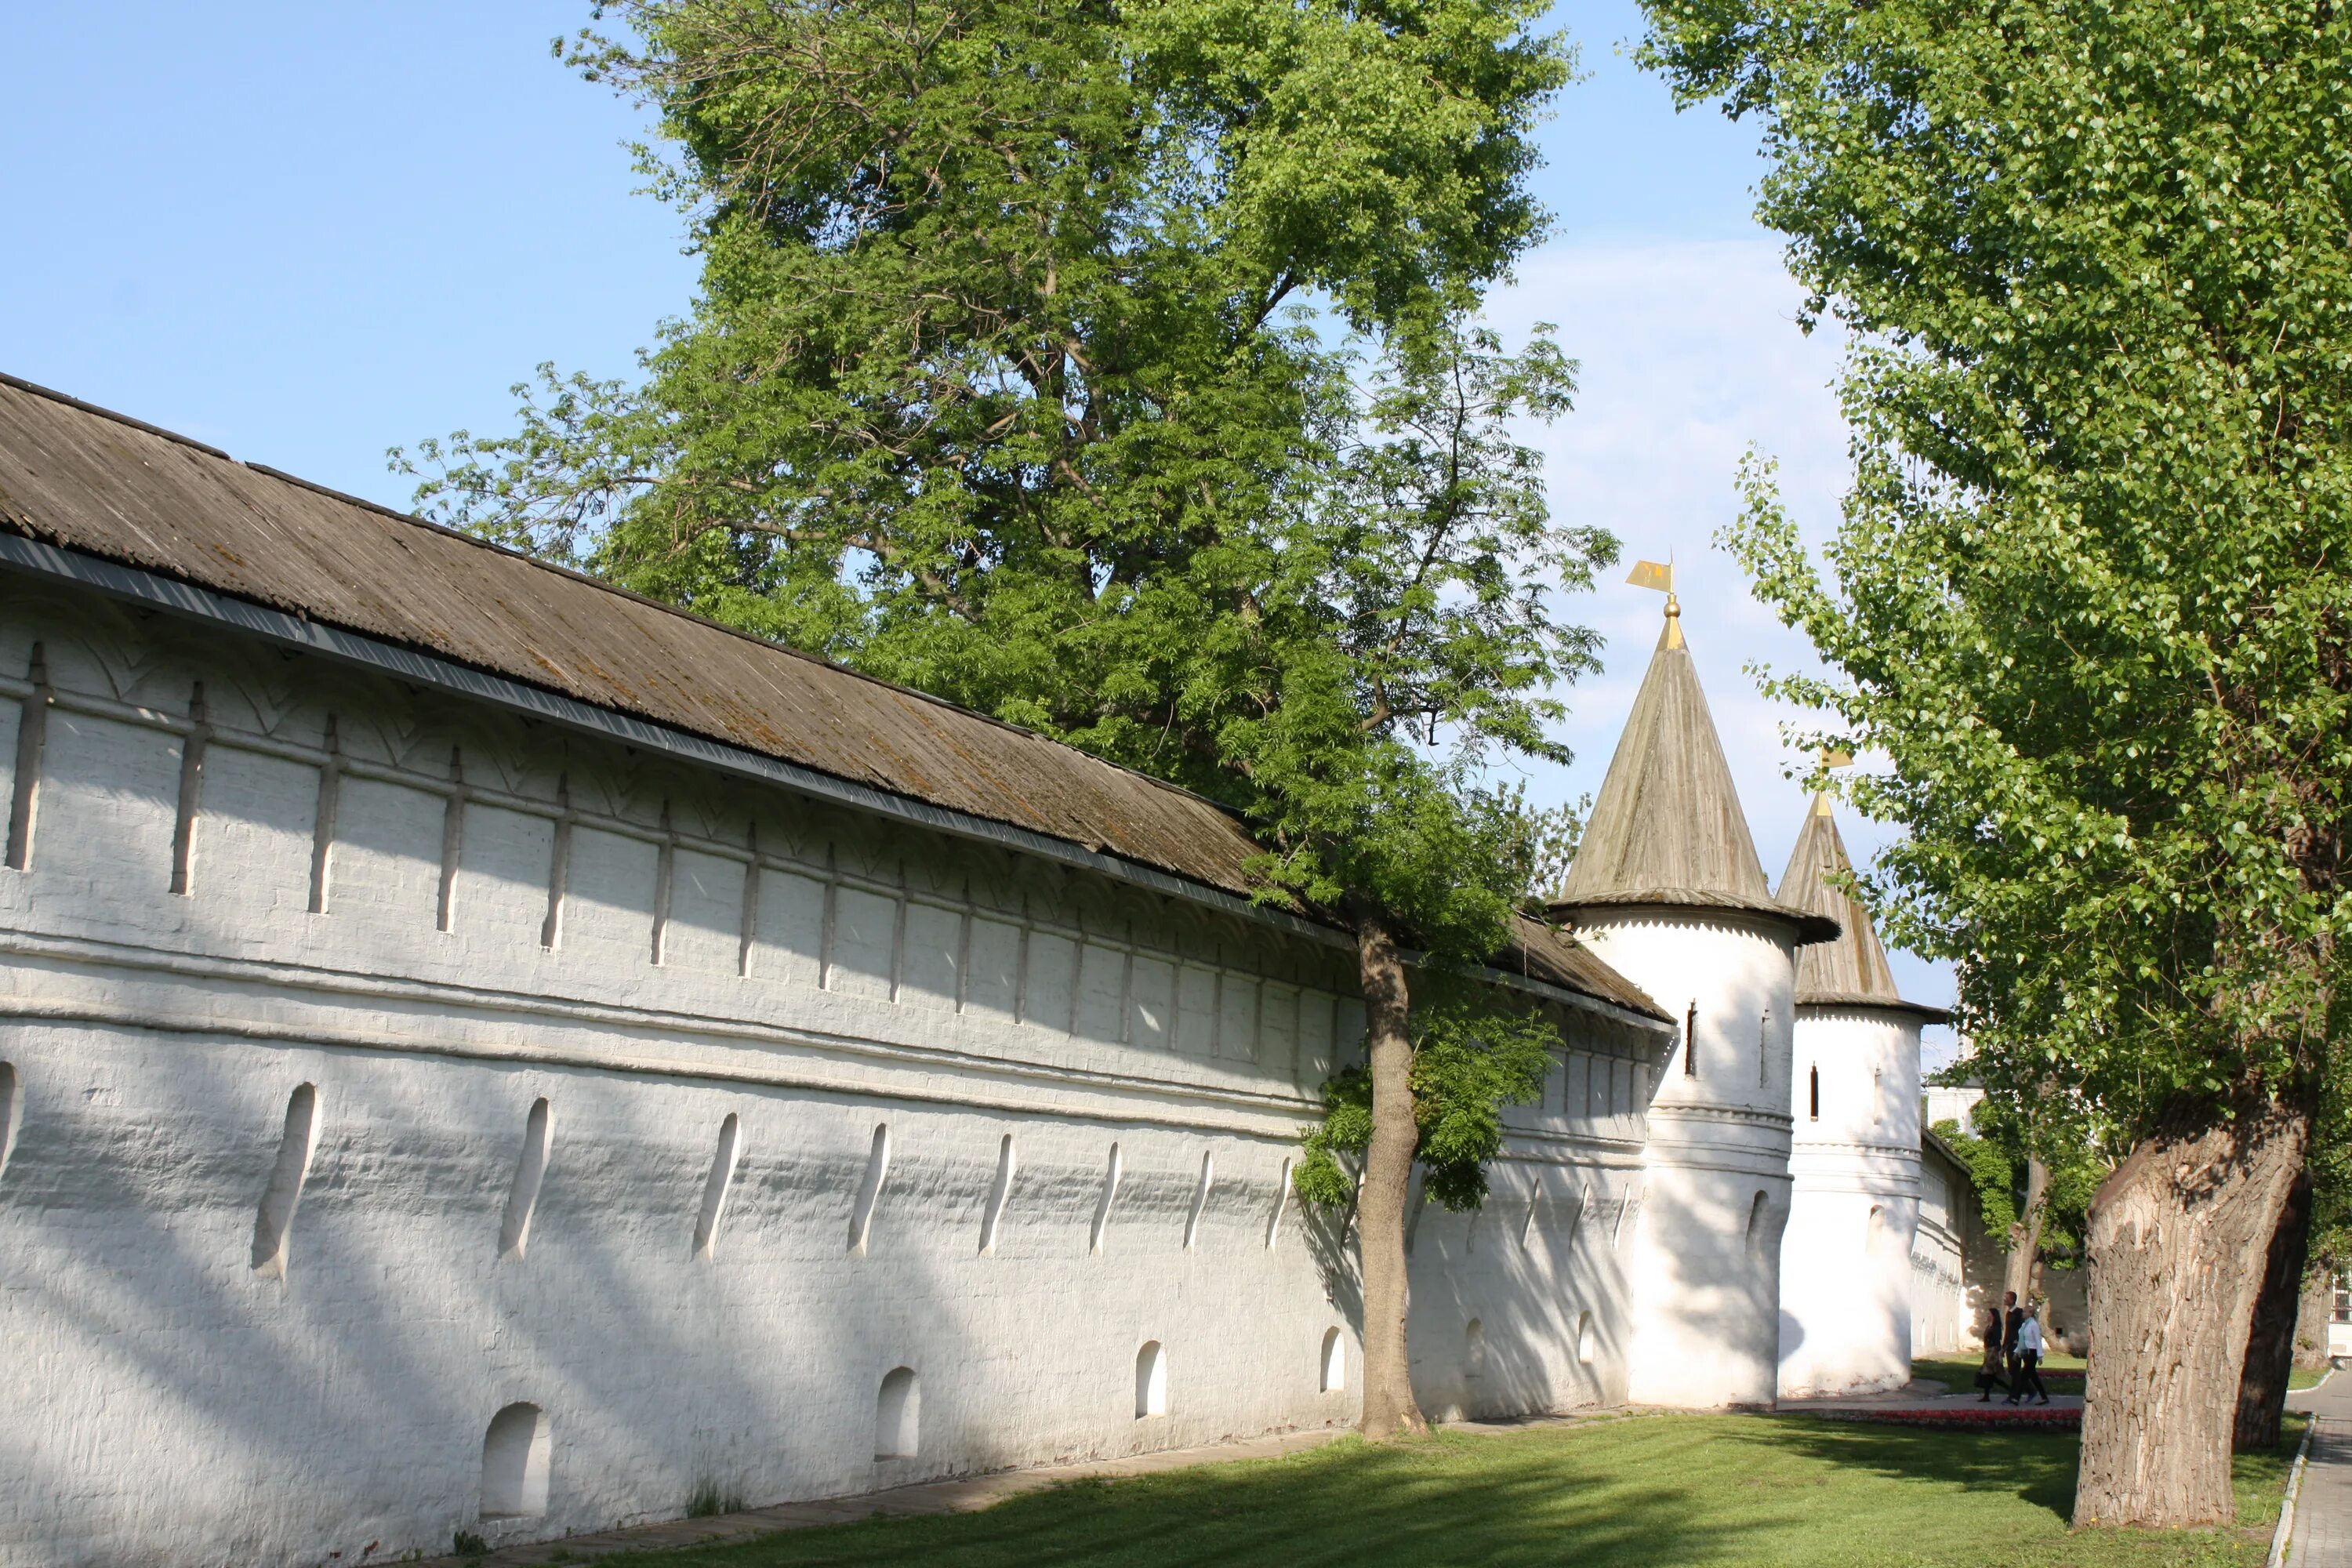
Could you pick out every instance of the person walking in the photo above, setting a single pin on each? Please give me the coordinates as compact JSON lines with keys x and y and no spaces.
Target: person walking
{"x":2028,"y":1360}
{"x":2012,"y":1317}
{"x":1988,"y":1371}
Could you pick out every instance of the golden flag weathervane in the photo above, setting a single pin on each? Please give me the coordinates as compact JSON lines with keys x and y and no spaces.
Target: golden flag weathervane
{"x":1661,"y":576}
{"x":1831,"y":758}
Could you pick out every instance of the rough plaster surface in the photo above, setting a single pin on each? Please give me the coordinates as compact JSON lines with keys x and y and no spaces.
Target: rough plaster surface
{"x":506,"y":914}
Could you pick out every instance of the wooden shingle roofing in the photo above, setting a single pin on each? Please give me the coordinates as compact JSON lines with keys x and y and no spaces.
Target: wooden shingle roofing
{"x":1850,"y":972}
{"x":1667,"y":830}
{"x":98,"y":484}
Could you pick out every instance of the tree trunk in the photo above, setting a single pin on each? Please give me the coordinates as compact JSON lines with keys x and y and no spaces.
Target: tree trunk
{"x":1390,"y":1408}
{"x":2316,"y":1312}
{"x":2025,"y":1235}
{"x":2270,"y":1345}
{"x":2172,"y":1303}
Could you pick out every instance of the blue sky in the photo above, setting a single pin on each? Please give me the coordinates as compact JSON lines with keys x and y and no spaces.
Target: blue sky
{"x":305,"y":233}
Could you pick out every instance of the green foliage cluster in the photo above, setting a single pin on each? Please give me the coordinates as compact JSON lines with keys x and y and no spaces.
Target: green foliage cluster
{"x":1994,"y":1152}
{"x":1106,"y":368}
{"x":1469,"y":1059}
{"x":2093,"y":589}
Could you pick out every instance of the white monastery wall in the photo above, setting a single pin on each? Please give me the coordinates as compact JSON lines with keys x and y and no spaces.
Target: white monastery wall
{"x":379,"y":1066}
{"x":1940,"y":1322}
{"x":1713,"y":1191}
{"x":1846,"y":1261}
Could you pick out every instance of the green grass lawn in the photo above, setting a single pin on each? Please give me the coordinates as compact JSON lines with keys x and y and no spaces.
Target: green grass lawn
{"x":1749,"y":1491}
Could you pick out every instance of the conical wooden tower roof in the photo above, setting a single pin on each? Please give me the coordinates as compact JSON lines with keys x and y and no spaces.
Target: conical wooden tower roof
{"x":1667,"y":828}
{"x":1852,"y":971}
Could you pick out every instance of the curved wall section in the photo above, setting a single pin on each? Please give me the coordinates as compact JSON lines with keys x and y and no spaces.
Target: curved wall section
{"x":1703,"y":1272}
{"x":1846,"y":1274}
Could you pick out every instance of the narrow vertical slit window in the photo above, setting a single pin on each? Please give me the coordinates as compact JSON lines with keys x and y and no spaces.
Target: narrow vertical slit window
{"x":12,"y":1112}
{"x":1534,"y":1203}
{"x":869,"y":1190}
{"x":559,"y":865}
{"x":1281,"y":1201}
{"x":665,"y":881}
{"x":1756,"y":1214}
{"x":1103,"y":1205}
{"x":1474,"y":1348}
{"x":452,"y":843}
{"x":322,"y":817}
{"x":1763,"y":1049}
{"x":192,"y":791}
{"x":748,"y":920}
{"x":1200,"y":1199}
{"x":714,"y":1189}
{"x":999,"y":1191}
{"x":1814,"y":1093}
{"x":273,"y":1226}
{"x":530,"y":1170}
{"x":1690,"y":1042}
{"x":32,"y":739}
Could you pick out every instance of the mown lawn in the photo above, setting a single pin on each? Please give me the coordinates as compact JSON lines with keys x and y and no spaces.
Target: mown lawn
{"x":1650,"y":1489}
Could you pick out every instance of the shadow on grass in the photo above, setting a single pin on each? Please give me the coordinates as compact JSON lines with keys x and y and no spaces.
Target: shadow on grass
{"x":1646,"y":1491}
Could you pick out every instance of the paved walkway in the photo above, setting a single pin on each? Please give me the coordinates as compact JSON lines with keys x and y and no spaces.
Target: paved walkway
{"x":2323,"y":1511}
{"x":1930,"y":1399}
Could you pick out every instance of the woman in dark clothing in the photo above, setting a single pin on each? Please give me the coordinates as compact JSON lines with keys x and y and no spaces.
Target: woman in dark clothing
{"x":1989,"y":1375}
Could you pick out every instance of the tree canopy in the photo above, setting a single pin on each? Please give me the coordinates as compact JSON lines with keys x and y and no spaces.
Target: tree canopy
{"x":1109,"y":368}
{"x":2093,"y":589}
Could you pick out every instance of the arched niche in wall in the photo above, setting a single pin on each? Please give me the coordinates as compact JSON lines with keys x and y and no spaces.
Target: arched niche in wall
{"x":898,"y":1415}
{"x":1756,"y":1213}
{"x":1335,"y":1360}
{"x":1150,"y":1381}
{"x":517,"y":1455}
{"x":1474,"y":1348}
{"x":1588,"y":1341}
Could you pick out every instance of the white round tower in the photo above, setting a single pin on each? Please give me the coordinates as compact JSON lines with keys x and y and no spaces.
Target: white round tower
{"x":1846,"y":1260}
{"x":1667,"y":889}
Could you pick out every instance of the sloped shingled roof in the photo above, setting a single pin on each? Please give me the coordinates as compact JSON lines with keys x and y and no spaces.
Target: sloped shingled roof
{"x":1667,"y":828}
{"x":99,"y":484}
{"x":1852,"y":971}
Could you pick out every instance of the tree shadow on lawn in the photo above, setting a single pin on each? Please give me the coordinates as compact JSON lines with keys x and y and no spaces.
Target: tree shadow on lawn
{"x":1636,"y":1492}
{"x":2036,"y":1467}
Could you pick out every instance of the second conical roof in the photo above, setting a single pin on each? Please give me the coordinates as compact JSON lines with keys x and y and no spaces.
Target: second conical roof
{"x":1667,"y":827}
{"x":1852,"y":969}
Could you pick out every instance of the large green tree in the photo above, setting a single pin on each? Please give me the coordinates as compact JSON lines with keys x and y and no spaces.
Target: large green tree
{"x":1105,"y":367}
{"x":2092,"y":589}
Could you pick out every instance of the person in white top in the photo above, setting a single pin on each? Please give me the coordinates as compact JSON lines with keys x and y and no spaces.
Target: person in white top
{"x":2029,"y":1358}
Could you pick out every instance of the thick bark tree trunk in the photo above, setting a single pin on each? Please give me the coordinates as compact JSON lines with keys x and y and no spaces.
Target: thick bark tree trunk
{"x":2025,"y":1236}
{"x":2171,"y":1236}
{"x":2270,"y":1346}
{"x":2316,"y":1312}
{"x":1390,"y":1408}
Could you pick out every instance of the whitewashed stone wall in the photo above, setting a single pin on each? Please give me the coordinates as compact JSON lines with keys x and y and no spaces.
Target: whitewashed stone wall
{"x":376,"y":1066}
